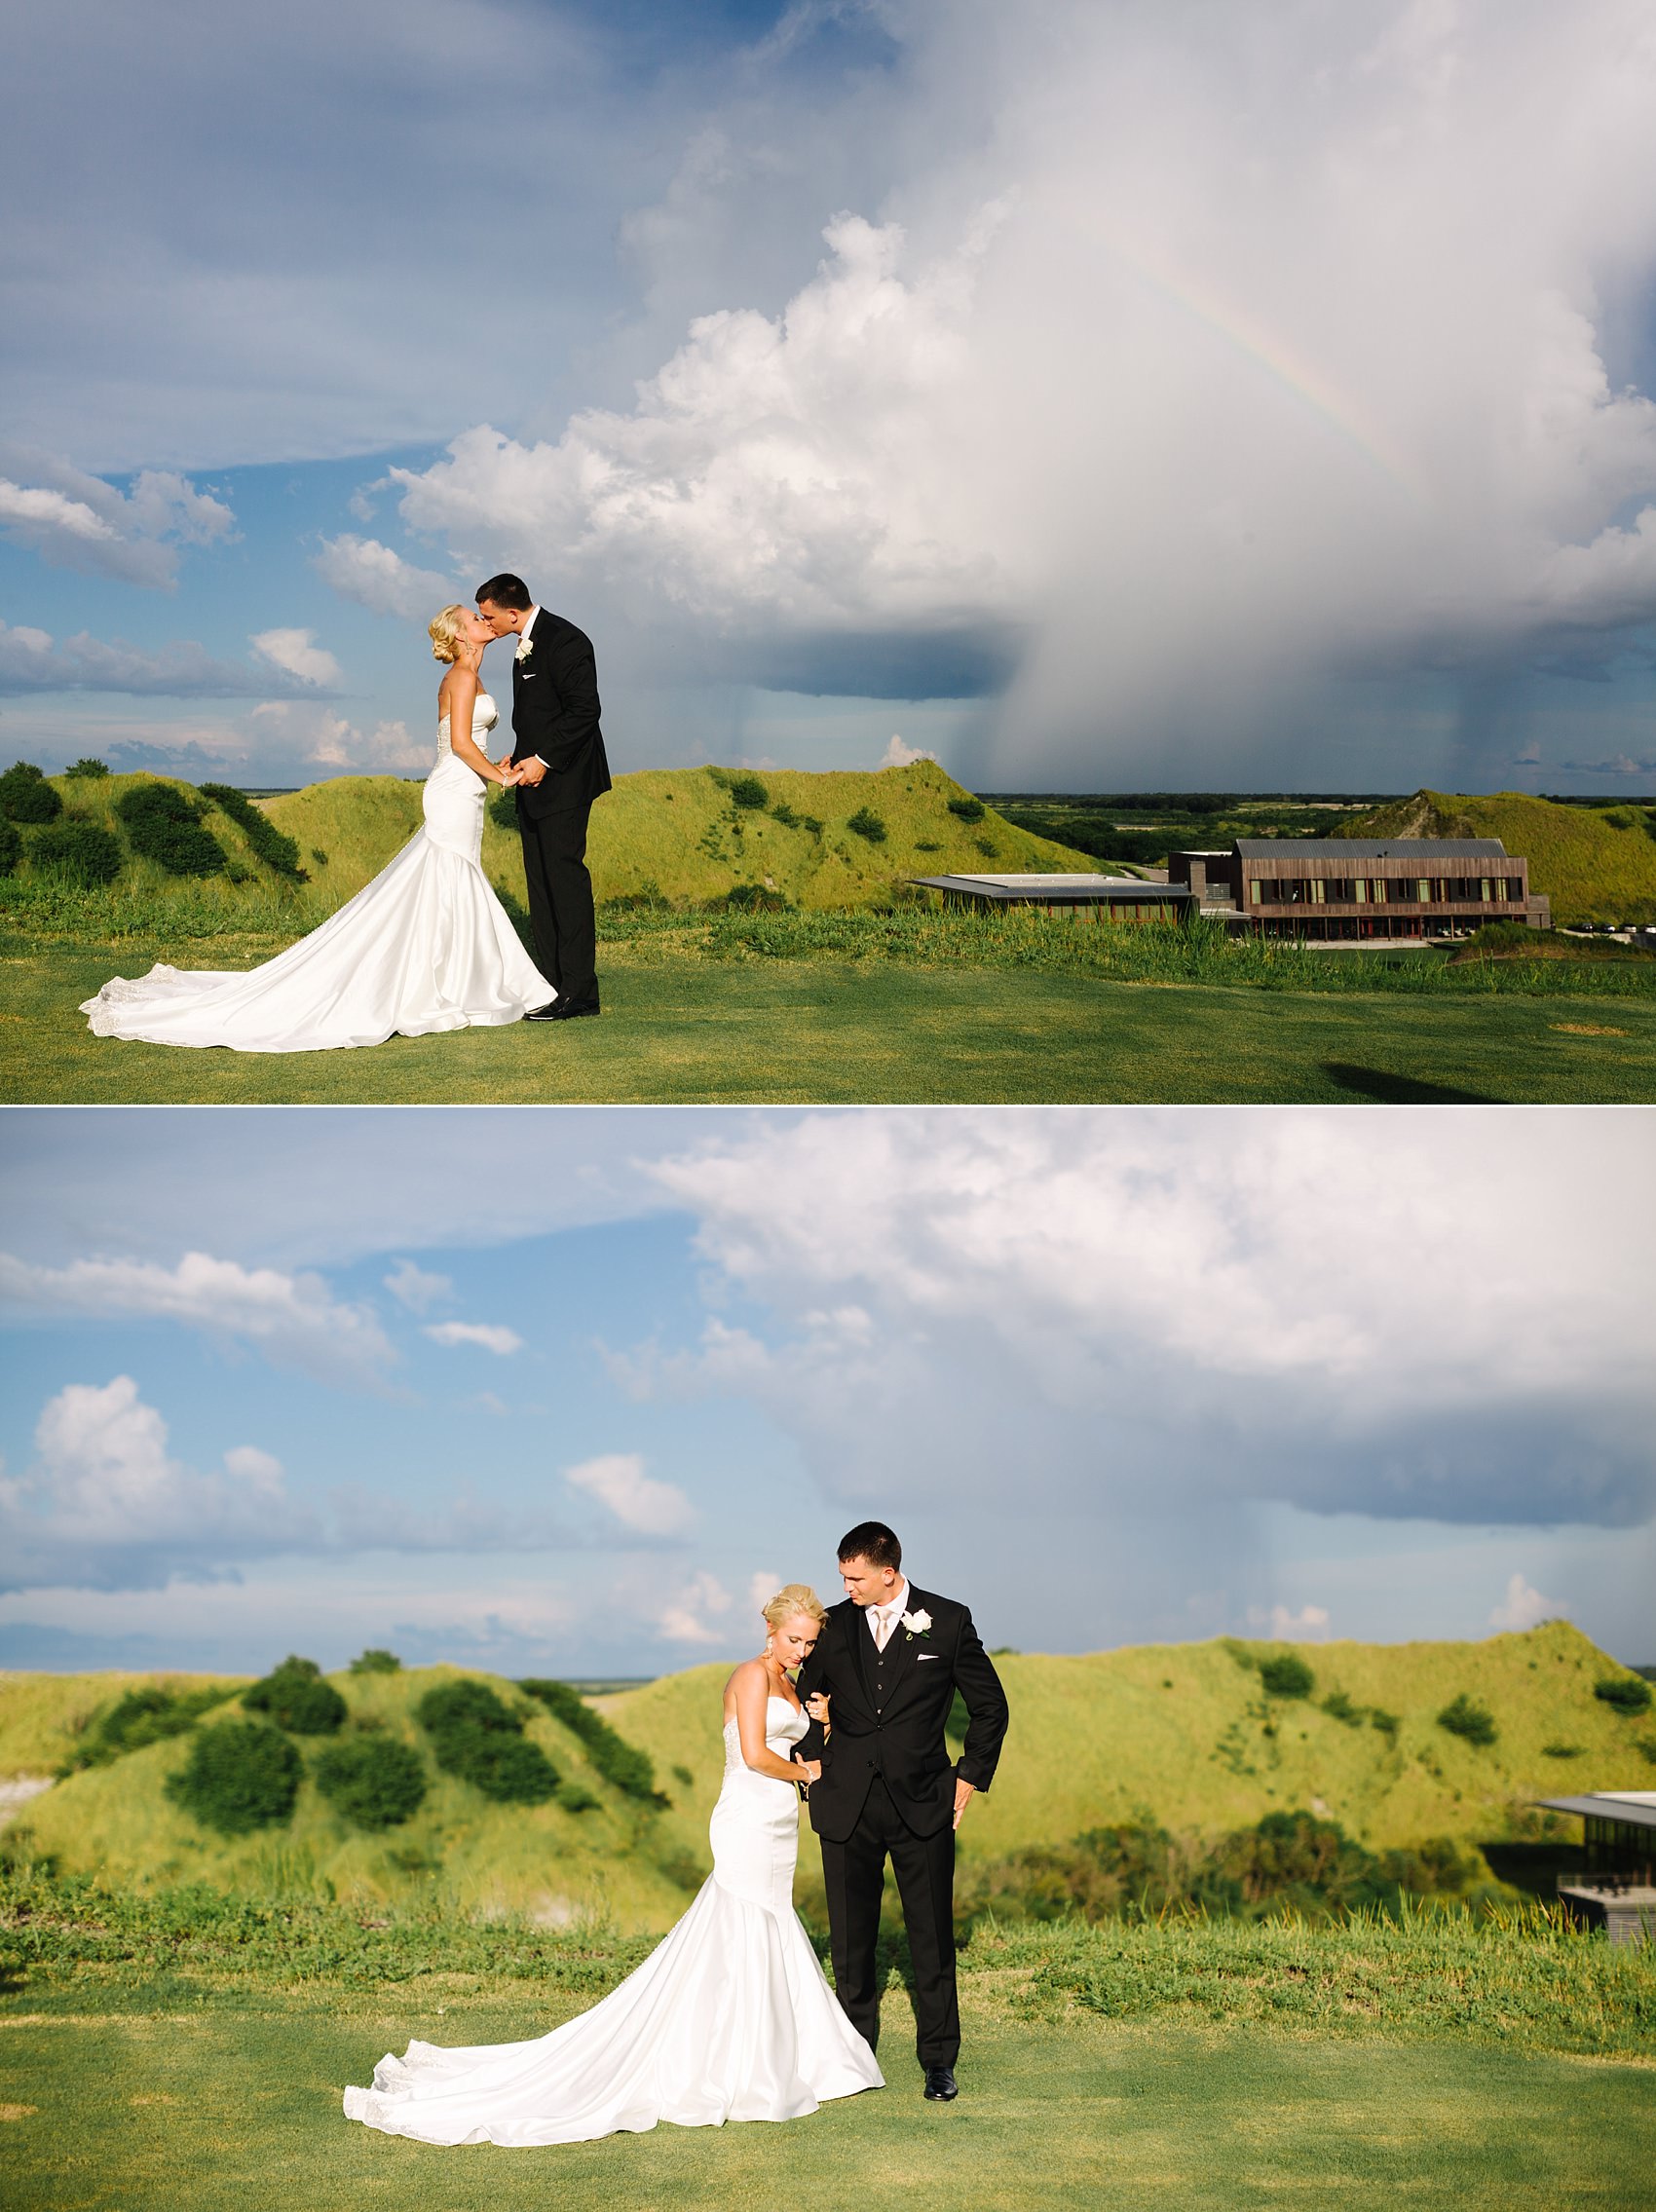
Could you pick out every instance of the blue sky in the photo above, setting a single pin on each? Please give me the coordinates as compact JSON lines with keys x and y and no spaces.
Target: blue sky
{"x":560,"y":1391}
{"x":1096,"y":397}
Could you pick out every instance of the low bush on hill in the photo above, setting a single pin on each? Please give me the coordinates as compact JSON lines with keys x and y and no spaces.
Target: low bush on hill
{"x":25,"y":796}
{"x":1287,"y":1676}
{"x":1473,"y":1723}
{"x":503,"y":810}
{"x":576,"y":1797}
{"x":297,"y":1699}
{"x":1338,"y":1706}
{"x":1624,"y":1693}
{"x":866,"y":823}
{"x":748,"y":791}
{"x":373,"y":1661}
{"x":87,"y":771}
{"x":165,"y":825}
{"x":782,"y":812}
{"x":1287,"y":1862}
{"x":755,"y":898}
{"x":619,"y":1762}
{"x":10,"y":845}
{"x":272,"y":845}
{"x":148,"y":1714}
{"x":968,"y":809}
{"x":240,"y":1774}
{"x":81,"y":853}
{"x":476,"y":1737}
{"x":374,"y":1781}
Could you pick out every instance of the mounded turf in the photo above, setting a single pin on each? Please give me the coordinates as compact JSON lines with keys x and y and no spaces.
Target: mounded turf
{"x":680,"y":1031}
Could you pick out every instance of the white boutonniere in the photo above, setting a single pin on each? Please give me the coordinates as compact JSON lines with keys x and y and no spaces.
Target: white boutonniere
{"x":525,"y":647}
{"x":918,"y":1624}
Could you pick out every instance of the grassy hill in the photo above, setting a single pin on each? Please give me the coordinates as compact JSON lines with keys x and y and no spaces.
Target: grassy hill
{"x":1181,"y":1736}
{"x":683,"y":836}
{"x":1595,"y":863}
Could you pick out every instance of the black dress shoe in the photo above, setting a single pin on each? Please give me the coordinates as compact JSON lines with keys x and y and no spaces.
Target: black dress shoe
{"x":571,"y":1009}
{"x":542,"y":1012}
{"x":940,"y":2083}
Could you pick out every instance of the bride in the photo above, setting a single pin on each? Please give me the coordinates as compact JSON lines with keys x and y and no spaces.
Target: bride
{"x":730,"y":2017}
{"x":426,"y":946}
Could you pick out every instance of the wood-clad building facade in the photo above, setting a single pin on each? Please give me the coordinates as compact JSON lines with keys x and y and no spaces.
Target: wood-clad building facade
{"x":1362,"y":887}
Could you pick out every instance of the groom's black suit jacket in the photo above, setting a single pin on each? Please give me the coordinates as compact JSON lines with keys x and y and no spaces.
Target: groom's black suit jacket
{"x":555,"y":713}
{"x":888,"y":1712}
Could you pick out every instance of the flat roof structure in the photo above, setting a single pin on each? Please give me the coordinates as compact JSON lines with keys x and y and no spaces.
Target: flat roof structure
{"x":1634,"y":1808}
{"x":1614,"y":1889}
{"x":1052,"y":891}
{"x":1372,"y":848}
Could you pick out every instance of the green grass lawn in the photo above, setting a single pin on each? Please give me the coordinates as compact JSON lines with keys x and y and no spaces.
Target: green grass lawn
{"x":1399,"y":2068}
{"x":679,"y":1028}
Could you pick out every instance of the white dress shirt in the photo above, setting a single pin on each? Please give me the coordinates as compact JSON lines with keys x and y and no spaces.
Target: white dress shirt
{"x":528,"y":625}
{"x":883,"y":1618}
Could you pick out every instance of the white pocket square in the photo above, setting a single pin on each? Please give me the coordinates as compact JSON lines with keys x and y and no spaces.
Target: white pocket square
{"x":921,"y":1657}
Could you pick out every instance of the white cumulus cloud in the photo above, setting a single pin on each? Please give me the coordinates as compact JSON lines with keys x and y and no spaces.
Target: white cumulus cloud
{"x":77,"y":521}
{"x":416,"y":1289}
{"x":297,"y":653}
{"x":696,"y":1616}
{"x":618,"y":1483}
{"x":487,"y":1336}
{"x":1523,"y":1606}
{"x":292,"y":1319}
{"x":375,"y":576}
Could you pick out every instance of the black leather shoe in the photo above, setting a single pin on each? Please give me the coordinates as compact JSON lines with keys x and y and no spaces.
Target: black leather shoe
{"x":940,"y":2084}
{"x":572,"y":1009}
{"x":542,"y":1012}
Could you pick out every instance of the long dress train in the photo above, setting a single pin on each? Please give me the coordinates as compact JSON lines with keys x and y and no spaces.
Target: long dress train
{"x":426,"y":946}
{"x":730,"y":2016}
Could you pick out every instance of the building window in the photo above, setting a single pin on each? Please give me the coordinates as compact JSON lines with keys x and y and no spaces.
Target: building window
{"x":1360,"y":891}
{"x":1422,"y":891}
{"x":1254,"y":882}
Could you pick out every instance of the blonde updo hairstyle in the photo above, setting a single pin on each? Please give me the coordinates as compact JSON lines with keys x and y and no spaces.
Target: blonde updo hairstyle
{"x":446,"y":632}
{"x":788,"y":1604}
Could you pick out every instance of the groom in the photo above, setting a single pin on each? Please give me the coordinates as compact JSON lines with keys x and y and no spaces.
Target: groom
{"x":891,"y":1658}
{"x":559,"y":752}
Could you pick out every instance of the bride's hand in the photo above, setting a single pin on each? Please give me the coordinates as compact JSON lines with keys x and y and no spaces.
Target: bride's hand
{"x":812,"y":1769}
{"x":817,"y":1704}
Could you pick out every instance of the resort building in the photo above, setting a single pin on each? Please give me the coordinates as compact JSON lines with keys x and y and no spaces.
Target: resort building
{"x":1616,"y":1888}
{"x":1361,"y":888}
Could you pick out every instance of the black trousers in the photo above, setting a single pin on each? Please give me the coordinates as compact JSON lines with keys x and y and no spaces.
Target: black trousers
{"x":854,"y":1872}
{"x":561,"y":919}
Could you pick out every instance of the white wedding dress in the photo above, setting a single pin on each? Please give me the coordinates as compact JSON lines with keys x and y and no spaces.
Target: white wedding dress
{"x":426,"y":946}
{"x":730,"y":2017}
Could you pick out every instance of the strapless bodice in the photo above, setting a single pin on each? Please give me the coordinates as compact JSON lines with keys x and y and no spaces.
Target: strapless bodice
{"x":484,"y":716}
{"x":784,"y":1725}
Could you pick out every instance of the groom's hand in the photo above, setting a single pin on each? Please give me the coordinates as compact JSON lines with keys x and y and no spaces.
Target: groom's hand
{"x":531,"y":771}
{"x":963,"y":1795}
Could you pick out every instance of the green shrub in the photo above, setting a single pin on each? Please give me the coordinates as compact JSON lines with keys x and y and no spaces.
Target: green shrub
{"x":374,"y":1781}
{"x":10,"y":845}
{"x":1563,"y":1751}
{"x":91,"y":771}
{"x":810,"y":823}
{"x":782,"y":812}
{"x":164,"y":824}
{"x":576,"y":1797}
{"x":684,"y":1777}
{"x":1287,"y":1676}
{"x":748,"y":791}
{"x":1473,"y":1722}
{"x":1624,"y":1694}
{"x":619,"y":1762}
{"x":503,"y":810}
{"x":25,"y":796}
{"x":240,"y":1776}
{"x":273,"y":846}
{"x":1338,"y":1706}
{"x":968,"y":809}
{"x":376,"y":1662}
{"x":1387,"y":1723}
{"x":866,"y":823}
{"x":477,"y":1739}
{"x":297,"y":1699}
{"x":81,"y":853}
{"x":148,"y":1714}
{"x":318,"y":856}
{"x":925,"y":844}
{"x":757,"y":898}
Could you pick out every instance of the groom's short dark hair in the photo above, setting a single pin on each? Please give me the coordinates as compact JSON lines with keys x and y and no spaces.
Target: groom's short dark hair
{"x":873,"y":1541}
{"x":507,"y":592}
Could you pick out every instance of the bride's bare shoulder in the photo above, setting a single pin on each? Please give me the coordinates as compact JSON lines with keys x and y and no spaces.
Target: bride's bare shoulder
{"x":749,"y":1672}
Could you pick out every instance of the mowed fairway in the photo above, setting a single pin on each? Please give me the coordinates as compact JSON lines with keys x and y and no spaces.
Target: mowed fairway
{"x":225,"y":2106}
{"x":684,"y":1031}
